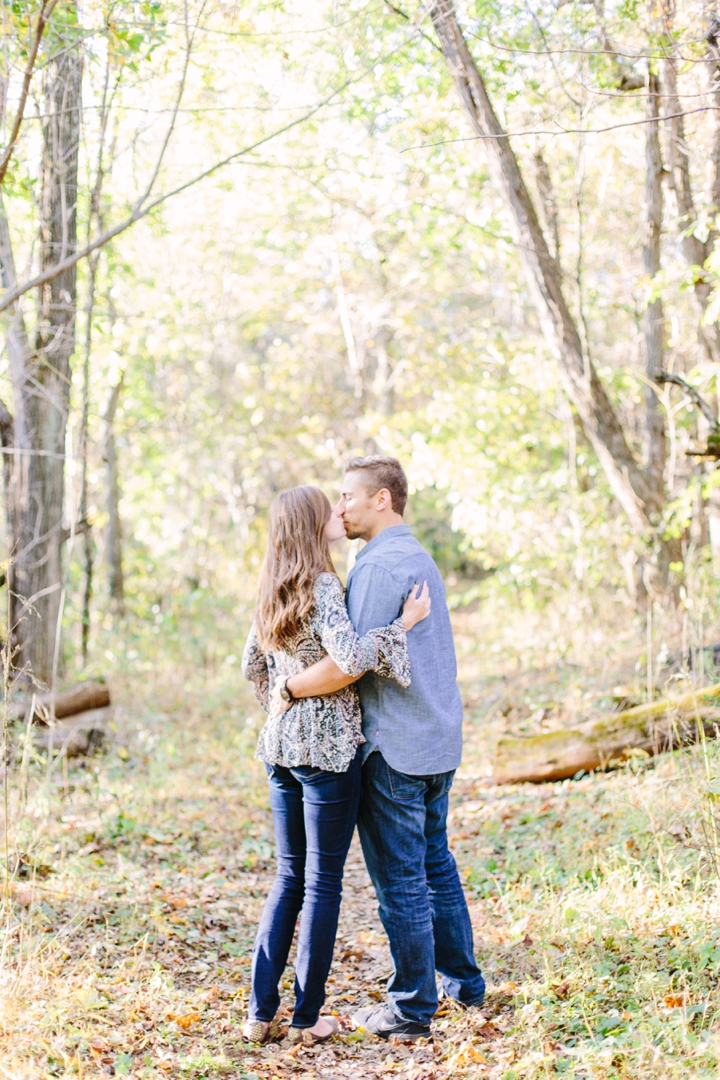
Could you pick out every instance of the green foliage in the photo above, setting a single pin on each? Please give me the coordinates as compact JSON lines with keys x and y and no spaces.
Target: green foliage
{"x":354,"y":286}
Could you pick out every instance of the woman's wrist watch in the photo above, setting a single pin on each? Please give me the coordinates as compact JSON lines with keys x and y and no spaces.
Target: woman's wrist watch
{"x":284,"y":690}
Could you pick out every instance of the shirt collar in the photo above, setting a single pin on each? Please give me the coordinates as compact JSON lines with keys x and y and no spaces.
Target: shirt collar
{"x":386,"y":534}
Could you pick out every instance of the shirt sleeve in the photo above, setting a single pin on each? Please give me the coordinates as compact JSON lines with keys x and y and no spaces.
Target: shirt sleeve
{"x":255,"y":669}
{"x":382,"y":649}
{"x":374,"y":597}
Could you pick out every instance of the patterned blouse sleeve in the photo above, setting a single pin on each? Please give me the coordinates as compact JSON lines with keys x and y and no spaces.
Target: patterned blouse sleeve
{"x":383,"y":650}
{"x":255,"y":669}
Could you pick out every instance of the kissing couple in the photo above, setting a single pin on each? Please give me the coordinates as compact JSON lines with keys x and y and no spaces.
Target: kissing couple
{"x":364,"y":726}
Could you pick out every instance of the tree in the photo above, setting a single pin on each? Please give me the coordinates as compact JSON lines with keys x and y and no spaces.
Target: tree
{"x":632,"y":486}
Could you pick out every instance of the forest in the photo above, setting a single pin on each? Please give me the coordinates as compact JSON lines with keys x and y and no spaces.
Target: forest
{"x":239,"y":244}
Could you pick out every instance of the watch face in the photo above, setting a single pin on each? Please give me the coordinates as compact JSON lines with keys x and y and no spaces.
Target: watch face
{"x":285,"y":693}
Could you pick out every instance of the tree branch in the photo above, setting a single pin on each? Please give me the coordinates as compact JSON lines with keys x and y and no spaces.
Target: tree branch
{"x":406,"y":17}
{"x":695,"y":397}
{"x":45,"y":12}
{"x":139,"y":212}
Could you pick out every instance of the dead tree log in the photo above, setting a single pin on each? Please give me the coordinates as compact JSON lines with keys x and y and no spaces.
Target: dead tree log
{"x":78,"y":699}
{"x":76,"y":735}
{"x":654,"y":729}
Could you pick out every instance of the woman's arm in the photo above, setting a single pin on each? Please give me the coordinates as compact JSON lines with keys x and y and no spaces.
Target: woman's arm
{"x":326,"y":676}
{"x":323,"y":677}
{"x":255,"y":669}
{"x":382,"y":649}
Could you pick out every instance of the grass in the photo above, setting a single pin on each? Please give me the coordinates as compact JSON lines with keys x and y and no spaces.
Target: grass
{"x":136,"y":879}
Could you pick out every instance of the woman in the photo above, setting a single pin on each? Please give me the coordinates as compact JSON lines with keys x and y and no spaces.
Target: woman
{"x":311,"y":751}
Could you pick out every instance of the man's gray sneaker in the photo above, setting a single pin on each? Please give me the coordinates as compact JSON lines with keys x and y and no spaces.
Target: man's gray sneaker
{"x":382,"y":1021}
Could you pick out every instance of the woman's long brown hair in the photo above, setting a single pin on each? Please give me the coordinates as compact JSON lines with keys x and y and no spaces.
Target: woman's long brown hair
{"x":297,"y":552}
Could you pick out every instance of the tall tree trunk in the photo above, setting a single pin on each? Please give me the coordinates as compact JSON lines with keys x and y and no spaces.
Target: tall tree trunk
{"x":654,"y":318}
{"x":114,"y":525}
{"x":631,"y":486}
{"x":695,"y":250}
{"x":17,"y":439}
{"x":45,"y":389}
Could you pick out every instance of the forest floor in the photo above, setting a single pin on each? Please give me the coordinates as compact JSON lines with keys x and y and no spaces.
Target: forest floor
{"x":138,"y":877}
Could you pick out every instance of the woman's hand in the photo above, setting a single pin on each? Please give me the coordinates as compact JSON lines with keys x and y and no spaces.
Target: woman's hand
{"x":417,"y":606}
{"x":277,"y":704}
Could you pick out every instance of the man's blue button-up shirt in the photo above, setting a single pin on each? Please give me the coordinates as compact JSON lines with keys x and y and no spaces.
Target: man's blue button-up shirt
{"x":418,"y":730}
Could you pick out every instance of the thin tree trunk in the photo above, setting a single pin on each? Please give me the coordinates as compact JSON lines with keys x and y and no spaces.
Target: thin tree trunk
{"x":114,"y":526}
{"x":695,"y":250}
{"x":46,"y":387}
{"x":83,"y":515}
{"x":7,"y":441}
{"x":654,"y":318}
{"x":636,"y":495}
{"x":548,"y":204}
{"x":713,"y":74}
{"x":95,"y":215}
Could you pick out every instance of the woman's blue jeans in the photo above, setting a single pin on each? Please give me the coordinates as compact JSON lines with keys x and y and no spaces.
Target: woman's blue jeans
{"x":314,"y":813}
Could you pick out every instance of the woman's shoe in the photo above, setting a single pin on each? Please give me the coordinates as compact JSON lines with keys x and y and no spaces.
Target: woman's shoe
{"x":256,"y":1031}
{"x":326,"y":1027}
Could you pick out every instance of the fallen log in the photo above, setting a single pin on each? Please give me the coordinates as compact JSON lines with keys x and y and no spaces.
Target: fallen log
{"x":80,"y":734}
{"x":78,"y":699}
{"x":653,"y":729}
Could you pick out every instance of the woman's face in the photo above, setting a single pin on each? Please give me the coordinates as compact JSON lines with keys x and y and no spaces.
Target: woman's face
{"x":335,"y":528}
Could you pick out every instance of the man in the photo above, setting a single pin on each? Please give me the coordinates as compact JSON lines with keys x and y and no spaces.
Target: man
{"x":414,"y":743}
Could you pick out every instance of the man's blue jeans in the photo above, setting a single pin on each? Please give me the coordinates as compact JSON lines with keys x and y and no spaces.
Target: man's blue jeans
{"x":314,"y":814}
{"x":403,"y":831}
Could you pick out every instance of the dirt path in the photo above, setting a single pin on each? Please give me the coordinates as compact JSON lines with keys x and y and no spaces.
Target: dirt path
{"x":139,"y":879}
{"x":359,"y":975}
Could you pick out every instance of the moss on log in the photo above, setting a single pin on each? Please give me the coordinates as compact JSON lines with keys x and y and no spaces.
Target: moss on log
{"x":655,"y":728}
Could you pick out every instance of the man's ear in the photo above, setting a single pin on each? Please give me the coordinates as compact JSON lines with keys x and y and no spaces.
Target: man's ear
{"x":384,"y":499}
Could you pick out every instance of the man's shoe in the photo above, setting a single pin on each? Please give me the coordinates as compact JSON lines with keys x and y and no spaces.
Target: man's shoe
{"x":383,"y":1022}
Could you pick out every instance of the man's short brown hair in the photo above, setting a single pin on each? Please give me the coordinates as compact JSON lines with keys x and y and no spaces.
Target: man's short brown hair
{"x":382,"y":472}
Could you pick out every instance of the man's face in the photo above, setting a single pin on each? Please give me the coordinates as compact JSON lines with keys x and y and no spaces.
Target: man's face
{"x":357,"y":507}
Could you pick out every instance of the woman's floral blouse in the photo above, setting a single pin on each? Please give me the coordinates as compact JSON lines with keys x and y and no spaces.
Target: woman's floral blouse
{"x":323,"y":731}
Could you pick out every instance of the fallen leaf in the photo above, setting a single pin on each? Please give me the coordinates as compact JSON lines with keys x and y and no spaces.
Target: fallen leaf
{"x":186,"y":1021}
{"x":466,"y":1055}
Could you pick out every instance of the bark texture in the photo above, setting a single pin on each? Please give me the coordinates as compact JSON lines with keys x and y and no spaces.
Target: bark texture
{"x":653,"y":729}
{"x":653,"y":318}
{"x":43,"y":382}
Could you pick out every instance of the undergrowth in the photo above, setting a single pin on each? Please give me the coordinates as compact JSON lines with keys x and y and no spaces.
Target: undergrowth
{"x":135,"y":879}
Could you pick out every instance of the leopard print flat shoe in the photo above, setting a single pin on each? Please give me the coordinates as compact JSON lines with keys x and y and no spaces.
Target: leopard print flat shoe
{"x":256,"y":1031}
